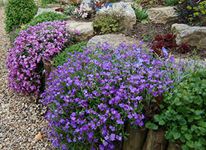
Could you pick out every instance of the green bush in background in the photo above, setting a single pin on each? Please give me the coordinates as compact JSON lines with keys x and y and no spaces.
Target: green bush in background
{"x":62,"y":57}
{"x":19,"y":12}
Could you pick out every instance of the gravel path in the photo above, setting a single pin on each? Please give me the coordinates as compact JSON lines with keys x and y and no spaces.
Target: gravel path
{"x":20,"y":117}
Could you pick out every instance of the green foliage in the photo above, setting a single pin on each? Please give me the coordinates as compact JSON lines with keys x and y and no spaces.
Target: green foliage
{"x":104,"y":24}
{"x":62,"y":57}
{"x":19,"y":12}
{"x":69,"y":10}
{"x":46,"y":2}
{"x":46,"y":16}
{"x":171,"y":2}
{"x":192,"y":12}
{"x":184,"y":114}
{"x":141,"y":14}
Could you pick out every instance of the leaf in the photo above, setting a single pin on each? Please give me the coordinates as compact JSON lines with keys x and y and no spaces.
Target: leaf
{"x":39,"y":136}
{"x":176,"y":135}
{"x":151,"y":125}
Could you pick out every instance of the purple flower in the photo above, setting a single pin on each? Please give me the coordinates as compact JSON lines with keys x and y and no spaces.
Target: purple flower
{"x":33,"y":46}
{"x":105,"y":87}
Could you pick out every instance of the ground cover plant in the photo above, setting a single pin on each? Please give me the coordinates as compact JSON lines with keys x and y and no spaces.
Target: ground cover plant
{"x":93,"y":95}
{"x":62,"y":57}
{"x":19,"y":12}
{"x":106,"y":23}
{"x":183,"y":112}
{"x":30,"y":49}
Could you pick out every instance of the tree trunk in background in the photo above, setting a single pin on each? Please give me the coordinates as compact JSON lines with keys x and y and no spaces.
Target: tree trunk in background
{"x":135,"y":140}
{"x":155,"y":141}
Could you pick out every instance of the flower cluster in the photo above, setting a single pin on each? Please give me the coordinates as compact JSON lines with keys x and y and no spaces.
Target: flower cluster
{"x":30,"y":49}
{"x":93,"y":95}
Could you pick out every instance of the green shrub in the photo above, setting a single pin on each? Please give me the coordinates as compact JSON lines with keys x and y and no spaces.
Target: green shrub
{"x":47,"y":16}
{"x":62,"y":57}
{"x":184,"y":114}
{"x":46,"y":2}
{"x":19,"y":12}
{"x":141,"y":14}
{"x":171,"y":2}
{"x":106,"y":23}
{"x":69,"y":10}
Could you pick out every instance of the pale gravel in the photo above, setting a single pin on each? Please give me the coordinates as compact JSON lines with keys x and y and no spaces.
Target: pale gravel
{"x":20,"y":117}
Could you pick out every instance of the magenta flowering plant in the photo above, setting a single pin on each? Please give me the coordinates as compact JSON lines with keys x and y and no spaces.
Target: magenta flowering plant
{"x":30,"y":49}
{"x":93,"y":95}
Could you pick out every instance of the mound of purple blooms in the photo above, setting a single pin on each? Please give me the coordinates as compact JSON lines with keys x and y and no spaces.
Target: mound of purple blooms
{"x":92,"y":95}
{"x":31,"y":47}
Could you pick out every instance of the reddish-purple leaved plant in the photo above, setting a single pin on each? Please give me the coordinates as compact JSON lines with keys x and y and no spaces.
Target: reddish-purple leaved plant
{"x":93,"y":95}
{"x":31,"y":47}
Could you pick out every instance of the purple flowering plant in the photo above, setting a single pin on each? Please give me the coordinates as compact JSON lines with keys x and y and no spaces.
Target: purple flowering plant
{"x":93,"y":95}
{"x":31,"y":47}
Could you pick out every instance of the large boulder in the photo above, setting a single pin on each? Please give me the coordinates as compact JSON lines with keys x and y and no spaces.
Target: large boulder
{"x":162,"y":14}
{"x":123,"y":10}
{"x":114,"y":40}
{"x":193,"y":35}
{"x":80,"y":30}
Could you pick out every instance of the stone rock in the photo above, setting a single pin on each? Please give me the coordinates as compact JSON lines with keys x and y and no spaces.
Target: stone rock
{"x":80,"y":30}
{"x":192,"y":35}
{"x":112,"y":39}
{"x":42,"y":10}
{"x":122,"y":9}
{"x":162,"y":14}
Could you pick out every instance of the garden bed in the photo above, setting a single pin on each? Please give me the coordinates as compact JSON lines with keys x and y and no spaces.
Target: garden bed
{"x":123,"y":88}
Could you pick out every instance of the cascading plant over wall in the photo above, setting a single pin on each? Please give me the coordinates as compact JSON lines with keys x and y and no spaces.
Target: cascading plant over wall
{"x":30,"y":49}
{"x":93,"y":95}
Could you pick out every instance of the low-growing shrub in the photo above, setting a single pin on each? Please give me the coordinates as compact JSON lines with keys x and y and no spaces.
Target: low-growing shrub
{"x":106,"y":23}
{"x":95,"y":93}
{"x":192,"y":12}
{"x":19,"y":12}
{"x":183,"y":112}
{"x":168,"y":42}
{"x":30,"y":49}
{"x":62,"y":57}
